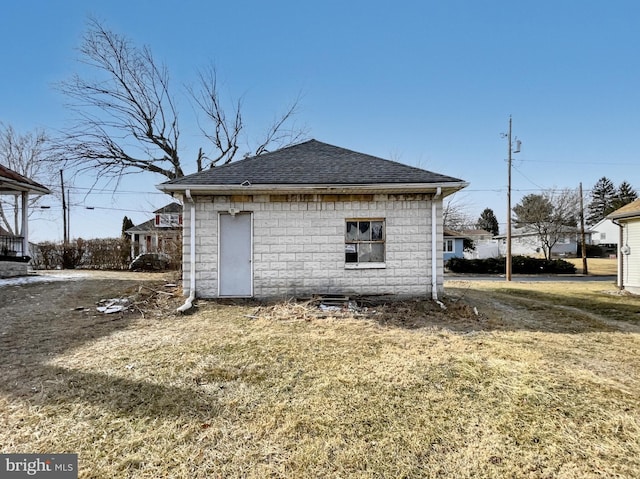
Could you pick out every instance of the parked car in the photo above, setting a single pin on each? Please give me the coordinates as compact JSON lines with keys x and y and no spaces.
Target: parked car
{"x":150,"y":262}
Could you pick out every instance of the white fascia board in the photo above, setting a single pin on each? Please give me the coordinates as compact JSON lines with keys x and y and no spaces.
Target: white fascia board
{"x":447,"y":188}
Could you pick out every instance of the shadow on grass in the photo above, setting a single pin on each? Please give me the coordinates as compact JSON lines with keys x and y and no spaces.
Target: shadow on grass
{"x":123,"y":396}
{"x":45,"y":320}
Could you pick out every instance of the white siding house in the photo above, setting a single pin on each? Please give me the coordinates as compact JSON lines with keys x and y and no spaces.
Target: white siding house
{"x":526,"y":242}
{"x":605,"y":234}
{"x":312,"y":219}
{"x":628,"y":220}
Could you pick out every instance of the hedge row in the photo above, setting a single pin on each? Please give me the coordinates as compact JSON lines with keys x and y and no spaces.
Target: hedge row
{"x":519,"y":265}
{"x":107,"y":253}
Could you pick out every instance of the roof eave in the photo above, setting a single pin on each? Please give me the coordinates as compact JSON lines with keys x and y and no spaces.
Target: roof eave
{"x":625,"y":216}
{"x":446,"y":188}
{"x":9,"y":186}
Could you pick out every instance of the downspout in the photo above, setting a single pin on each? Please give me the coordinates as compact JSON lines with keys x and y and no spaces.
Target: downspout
{"x":188,"y":304}
{"x":434,"y":245}
{"x":620,"y":255}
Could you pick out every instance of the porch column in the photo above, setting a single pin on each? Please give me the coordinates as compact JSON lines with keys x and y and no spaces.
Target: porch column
{"x":25,"y":223}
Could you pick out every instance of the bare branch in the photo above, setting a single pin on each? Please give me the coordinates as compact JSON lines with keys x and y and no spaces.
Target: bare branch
{"x":225,"y":133}
{"x":29,"y":155}
{"x":126,"y":119}
{"x":279,"y":136}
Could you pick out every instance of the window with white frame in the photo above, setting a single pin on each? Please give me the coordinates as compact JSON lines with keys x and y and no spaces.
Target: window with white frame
{"x":448,"y":246}
{"x":364,"y":241}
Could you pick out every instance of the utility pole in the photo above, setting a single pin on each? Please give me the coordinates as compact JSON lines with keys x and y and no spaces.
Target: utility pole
{"x":585,"y":269}
{"x":508,"y":259}
{"x":64,"y":211}
{"x":511,"y":150}
{"x":69,"y":214}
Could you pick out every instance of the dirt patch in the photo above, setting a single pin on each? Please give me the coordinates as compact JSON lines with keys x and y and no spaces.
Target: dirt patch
{"x":49,"y":313}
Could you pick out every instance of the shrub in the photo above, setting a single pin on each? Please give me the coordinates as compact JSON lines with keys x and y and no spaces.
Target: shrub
{"x":519,"y":265}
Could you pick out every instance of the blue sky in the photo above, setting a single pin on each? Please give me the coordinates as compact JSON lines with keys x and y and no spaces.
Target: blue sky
{"x":427,"y":83}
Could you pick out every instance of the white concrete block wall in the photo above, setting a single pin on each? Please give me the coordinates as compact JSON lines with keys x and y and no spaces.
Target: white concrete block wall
{"x":298,"y":248}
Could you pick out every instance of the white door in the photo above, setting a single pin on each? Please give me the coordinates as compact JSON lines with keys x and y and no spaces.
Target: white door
{"x":234,"y":257}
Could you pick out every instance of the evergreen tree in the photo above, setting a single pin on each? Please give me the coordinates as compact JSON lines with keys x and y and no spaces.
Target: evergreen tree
{"x":126,"y":224}
{"x":603,"y":196}
{"x":625,"y":195}
{"x":488,"y":222}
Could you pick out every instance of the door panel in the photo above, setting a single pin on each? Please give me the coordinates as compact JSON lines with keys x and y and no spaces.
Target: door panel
{"x":234,"y":258}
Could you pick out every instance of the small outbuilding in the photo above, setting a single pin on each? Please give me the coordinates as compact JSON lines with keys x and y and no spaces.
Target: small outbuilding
{"x":312,"y":219}
{"x":628,"y":220}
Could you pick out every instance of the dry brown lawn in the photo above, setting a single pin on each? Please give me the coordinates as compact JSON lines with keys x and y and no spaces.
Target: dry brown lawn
{"x":596,"y":266}
{"x":543,"y":382}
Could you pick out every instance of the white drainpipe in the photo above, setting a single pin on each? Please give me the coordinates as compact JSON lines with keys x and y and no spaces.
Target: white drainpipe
{"x":434,"y":245}
{"x":619,"y":255}
{"x":188,"y":304}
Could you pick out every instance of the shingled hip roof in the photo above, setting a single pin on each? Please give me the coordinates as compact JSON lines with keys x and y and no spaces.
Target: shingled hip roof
{"x":311,"y":163}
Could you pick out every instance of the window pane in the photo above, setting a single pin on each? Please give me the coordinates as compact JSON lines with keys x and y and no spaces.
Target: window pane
{"x":377,"y":252}
{"x":364,"y":252}
{"x":364,"y":233}
{"x":351,"y":253}
{"x":352,"y":230}
{"x":376,"y":231}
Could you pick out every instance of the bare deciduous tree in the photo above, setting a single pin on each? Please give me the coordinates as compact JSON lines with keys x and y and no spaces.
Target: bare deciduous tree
{"x":455,"y":215}
{"x":552,"y":215}
{"x":127,"y":117}
{"x":26,"y":154}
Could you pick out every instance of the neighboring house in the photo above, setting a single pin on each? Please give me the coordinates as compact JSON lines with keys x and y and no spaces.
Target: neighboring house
{"x":312,"y":219}
{"x":160,"y":234}
{"x":452,"y":245}
{"x":627,"y":219}
{"x":484,"y":244}
{"x":526,"y":242}
{"x":605,"y":234}
{"x":14,"y":249}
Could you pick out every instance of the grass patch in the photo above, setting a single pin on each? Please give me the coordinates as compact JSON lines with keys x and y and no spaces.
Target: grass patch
{"x":596,"y":266}
{"x":538,"y":384}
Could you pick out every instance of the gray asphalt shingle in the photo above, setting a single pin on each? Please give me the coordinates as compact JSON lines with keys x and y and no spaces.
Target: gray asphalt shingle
{"x":313,"y":162}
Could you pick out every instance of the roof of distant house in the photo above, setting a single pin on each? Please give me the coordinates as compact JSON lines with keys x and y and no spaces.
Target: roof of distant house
{"x":170,"y":208}
{"x":312,"y":163}
{"x":150,"y":225}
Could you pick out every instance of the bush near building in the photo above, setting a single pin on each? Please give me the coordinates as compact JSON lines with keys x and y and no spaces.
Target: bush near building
{"x":519,"y":265}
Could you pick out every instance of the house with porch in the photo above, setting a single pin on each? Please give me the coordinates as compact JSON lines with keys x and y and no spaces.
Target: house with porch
{"x":14,"y":247}
{"x":161,"y":234}
{"x":312,"y":218}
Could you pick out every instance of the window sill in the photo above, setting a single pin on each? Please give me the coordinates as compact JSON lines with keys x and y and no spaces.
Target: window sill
{"x":365,"y":265}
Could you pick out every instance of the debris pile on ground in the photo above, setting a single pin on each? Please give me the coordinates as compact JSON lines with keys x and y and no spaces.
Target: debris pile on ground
{"x":113,"y":305}
{"x":403,"y":313}
{"x":155,"y":302}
